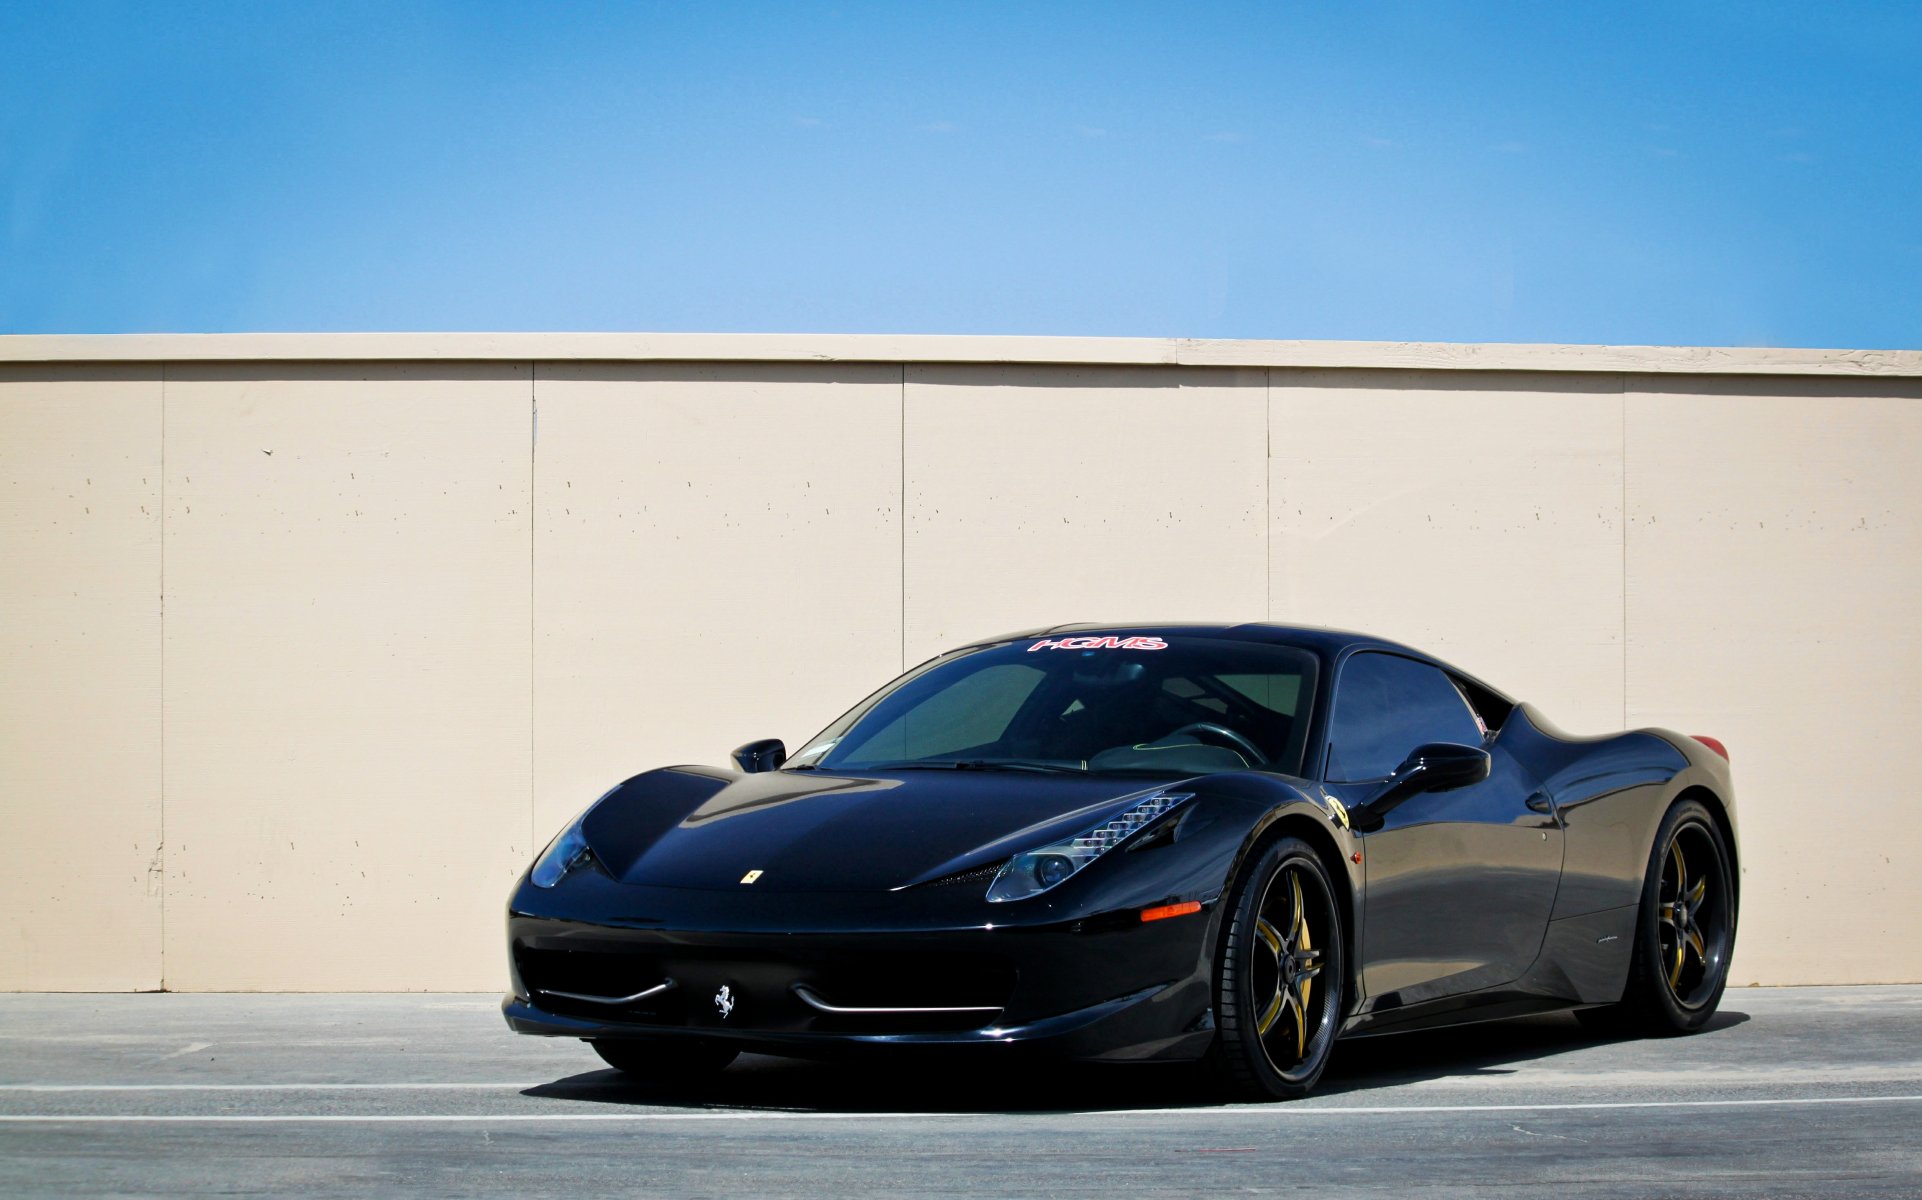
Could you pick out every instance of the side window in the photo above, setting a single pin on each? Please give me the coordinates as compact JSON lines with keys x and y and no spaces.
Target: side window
{"x":1277,"y":693}
{"x":1385,"y":706}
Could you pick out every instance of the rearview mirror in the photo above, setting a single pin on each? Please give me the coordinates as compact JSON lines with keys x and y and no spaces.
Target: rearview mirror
{"x":1433,"y":767}
{"x":765,"y":755}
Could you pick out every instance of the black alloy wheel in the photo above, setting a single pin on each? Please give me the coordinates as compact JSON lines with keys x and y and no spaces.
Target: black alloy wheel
{"x":1279,"y":975}
{"x":664,"y":1060}
{"x":1685,"y":931}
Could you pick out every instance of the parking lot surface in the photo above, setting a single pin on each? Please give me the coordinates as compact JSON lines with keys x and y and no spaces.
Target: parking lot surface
{"x":1790,"y":1092}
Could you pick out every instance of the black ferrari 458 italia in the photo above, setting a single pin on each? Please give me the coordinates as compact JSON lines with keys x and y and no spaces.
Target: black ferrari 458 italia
{"x":1230,"y":843}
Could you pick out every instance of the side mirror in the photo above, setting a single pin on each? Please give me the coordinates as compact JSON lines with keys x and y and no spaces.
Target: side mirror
{"x":1433,"y":767}
{"x":765,"y":755}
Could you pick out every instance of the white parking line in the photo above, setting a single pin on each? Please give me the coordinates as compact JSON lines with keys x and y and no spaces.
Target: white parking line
{"x":1264,"y":1110}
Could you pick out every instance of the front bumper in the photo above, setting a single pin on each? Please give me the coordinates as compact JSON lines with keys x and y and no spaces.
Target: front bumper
{"x":1086,"y":988}
{"x":1126,"y":1027}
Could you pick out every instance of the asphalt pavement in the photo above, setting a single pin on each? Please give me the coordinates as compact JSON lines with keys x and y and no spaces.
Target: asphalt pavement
{"x":1790,"y":1092}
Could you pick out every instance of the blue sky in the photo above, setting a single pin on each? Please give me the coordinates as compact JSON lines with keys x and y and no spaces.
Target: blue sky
{"x":1693,"y":173}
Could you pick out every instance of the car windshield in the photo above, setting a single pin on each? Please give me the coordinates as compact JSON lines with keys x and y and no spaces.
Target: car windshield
{"x":1095,"y":703}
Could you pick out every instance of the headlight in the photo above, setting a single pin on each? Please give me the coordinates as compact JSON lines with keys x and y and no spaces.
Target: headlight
{"x":563,"y":854}
{"x":1037,"y":870}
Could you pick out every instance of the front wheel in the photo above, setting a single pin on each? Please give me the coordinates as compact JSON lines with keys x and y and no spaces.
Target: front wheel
{"x":663,"y":1061}
{"x":1279,"y":975}
{"x":1684,"y":933}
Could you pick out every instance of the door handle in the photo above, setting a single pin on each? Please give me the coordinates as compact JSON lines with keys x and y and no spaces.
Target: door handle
{"x":1540,"y":803}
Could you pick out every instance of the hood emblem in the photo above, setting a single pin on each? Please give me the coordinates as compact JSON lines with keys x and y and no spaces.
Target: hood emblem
{"x":751,"y":876}
{"x":724,"y":1000}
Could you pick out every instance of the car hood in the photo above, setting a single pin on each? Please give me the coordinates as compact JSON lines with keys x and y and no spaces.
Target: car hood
{"x":697,"y":827}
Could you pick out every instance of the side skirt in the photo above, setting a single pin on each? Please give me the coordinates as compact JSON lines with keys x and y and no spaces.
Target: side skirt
{"x":1584,"y":961}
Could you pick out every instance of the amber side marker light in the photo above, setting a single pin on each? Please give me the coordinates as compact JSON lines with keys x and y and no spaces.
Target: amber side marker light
{"x":1170,"y":910}
{"x":1712,"y":743}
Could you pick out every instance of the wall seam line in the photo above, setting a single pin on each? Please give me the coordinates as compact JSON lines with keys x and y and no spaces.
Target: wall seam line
{"x":533,"y":531}
{"x":1268,"y":493}
{"x":1624,"y":500}
{"x":901,"y":515}
{"x":161,"y":850}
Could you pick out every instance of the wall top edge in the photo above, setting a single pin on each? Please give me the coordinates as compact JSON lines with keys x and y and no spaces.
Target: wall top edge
{"x":947,"y":348}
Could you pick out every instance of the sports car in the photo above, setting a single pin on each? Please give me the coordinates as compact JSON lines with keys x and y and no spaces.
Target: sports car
{"x":1227,"y":843}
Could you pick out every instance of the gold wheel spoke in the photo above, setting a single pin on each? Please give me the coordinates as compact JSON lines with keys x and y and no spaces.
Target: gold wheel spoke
{"x":1666,"y":913}
{"x":1696,"y":894}
{"x":1268,"y":934}
{"x":1298,"y":928}
{"x":1308,"y":965}
{"x":1701,"y":951}
{"x":1267,"y":1020}
{"x":1675,"y":968}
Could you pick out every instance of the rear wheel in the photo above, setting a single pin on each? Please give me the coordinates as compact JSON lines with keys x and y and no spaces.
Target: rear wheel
{"x":662,"y":1060}
{"x":1684,"y":932}
{"x":1279,"y":975}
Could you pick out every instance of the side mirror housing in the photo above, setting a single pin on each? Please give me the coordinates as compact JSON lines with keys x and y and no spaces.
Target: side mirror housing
{"x":1433,"y":767}
{"x":765,"y":755}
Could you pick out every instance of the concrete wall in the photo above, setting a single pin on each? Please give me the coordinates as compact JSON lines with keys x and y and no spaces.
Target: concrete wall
{"x":308,"y":643}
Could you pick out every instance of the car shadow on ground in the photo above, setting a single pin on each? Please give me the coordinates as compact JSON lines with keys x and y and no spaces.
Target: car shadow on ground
{"x":1491,"y":1048}
{"x":910,"y":1082}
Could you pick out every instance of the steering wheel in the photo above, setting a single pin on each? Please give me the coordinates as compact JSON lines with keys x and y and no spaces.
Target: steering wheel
{"x":1234,"y":740}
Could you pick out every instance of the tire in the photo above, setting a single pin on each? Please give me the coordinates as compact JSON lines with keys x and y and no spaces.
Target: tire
{"x":662,"y":1060}
{"x":1679,"y":966}
{"x":1280,"y":975}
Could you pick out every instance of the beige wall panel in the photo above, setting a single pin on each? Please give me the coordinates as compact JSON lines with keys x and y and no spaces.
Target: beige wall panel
{"x":80,"y":897}
{"x":348,"y":673}
{"x":1043,"y":495}
{"x":1774,"y":582}
{"x":1477,"y":517}
{"x":717,"y":560}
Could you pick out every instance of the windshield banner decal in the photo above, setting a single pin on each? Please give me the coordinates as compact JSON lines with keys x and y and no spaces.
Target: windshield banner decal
{"x":1099,"y":643}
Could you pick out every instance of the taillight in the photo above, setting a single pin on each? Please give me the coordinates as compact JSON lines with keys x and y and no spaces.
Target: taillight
{"x":1712,"y":744}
